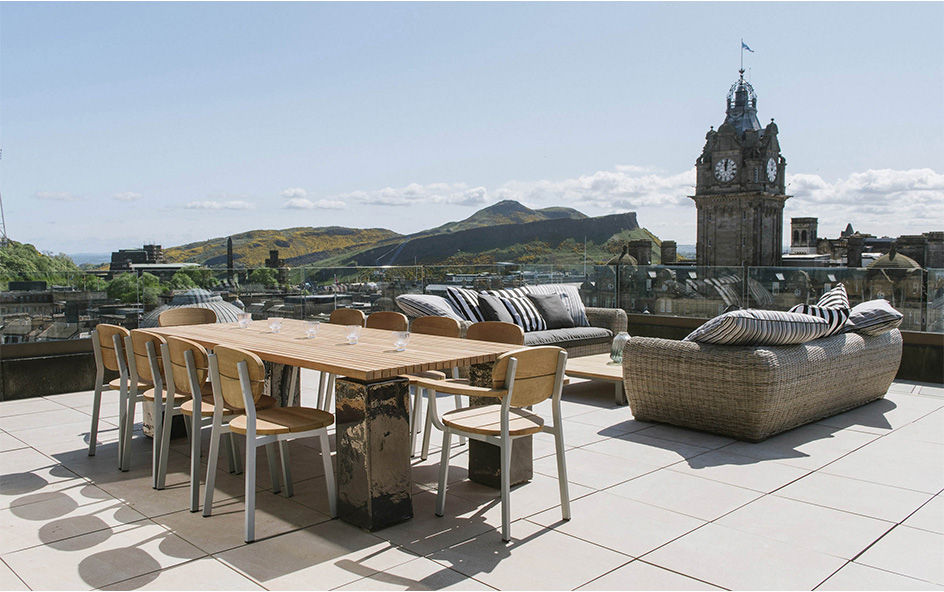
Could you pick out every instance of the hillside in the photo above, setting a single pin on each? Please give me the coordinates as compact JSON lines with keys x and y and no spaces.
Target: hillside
{"x":251,"y":249}
{"x":22,"y":261}
{"x":504,"y":212}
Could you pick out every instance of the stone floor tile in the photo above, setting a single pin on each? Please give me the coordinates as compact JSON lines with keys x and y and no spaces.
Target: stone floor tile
{"x":640,"y":447}
{"x":69,"y":512}
{"x":934,"y":391}
{"x":685,"y":494}
{"x":740,"y":470}
{"x":9,"y":581}
{"x":75,"y":433}
{"x":910,"y":552}
{"x":929,"y":428}
{"x":686,"y":436}
{"x":817,"y":528}
{"x":854,"y":576}
{"x":897,"y":472}
{"x":206,"y":573}
{"x":9,"y":409}
{"x":101,"y":558}
{"x":929,"y":517}
{"x":418,"y":574}
{"x":537,"y":558}
{"x":627,"y":526}
{"x":43,"y":419}
{"x":737,"y":560}
{"x":541,"y":493}
{"x":593,"y":469}
{"x":895,"y":446}
{"x":809,"y":447}
{"x":639,"y":575}
{"x":884,"y":502}
{"x":903,"y":387}
{"x":322,"y":557}
{"x":9,"y":442}
{"x":884,"y":415}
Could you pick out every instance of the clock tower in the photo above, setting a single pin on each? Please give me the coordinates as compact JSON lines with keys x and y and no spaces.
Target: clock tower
{"x":740,"y":190}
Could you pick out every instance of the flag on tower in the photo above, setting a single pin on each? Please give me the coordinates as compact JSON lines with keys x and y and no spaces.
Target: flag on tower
{"x":744,"y":46}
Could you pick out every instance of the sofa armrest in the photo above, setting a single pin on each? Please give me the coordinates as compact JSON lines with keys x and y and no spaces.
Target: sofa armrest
{"x":614,"y":319}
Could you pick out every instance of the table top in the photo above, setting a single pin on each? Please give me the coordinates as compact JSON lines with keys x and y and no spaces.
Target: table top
{"x":597,"y":367}
{"x":372,"y":358}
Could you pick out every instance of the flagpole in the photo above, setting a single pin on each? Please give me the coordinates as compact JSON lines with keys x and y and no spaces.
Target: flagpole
{"x":742,"y":54}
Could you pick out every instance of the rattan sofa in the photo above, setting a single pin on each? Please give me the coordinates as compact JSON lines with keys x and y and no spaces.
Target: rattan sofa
{"x":752,"y":393}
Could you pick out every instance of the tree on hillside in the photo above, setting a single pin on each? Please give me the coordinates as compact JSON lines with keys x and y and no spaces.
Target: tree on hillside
{"x":129,"y":288}
{"x":20,"y":261}
{"x":264,"y":276}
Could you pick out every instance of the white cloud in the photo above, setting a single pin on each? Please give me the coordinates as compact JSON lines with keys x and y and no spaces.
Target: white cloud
{"x":221,"y":205}
{"x":294,"y":192}
{"x":55,"y":196}
{"x":301,"y":203}
{"x":416,"y":194}
{"x":127,"y":196}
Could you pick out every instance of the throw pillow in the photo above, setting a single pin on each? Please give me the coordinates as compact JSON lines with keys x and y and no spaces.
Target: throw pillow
{"x":526,"y":315}
{"x":873,"y":317}
{"x":493,"y":309}
{"x":835,"y":298}
{"x":833,"y":306}
{"x":760,"y":327}
{"x":570,"y":296}
{"x":422,"y":305}
{"x":466,"y":302}
{"x":553,"y":310}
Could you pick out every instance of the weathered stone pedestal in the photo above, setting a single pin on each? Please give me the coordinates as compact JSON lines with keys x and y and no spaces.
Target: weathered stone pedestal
{"x":373,"y":452}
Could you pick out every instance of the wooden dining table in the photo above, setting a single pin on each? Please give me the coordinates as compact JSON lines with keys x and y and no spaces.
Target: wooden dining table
{"x":372,"y":399}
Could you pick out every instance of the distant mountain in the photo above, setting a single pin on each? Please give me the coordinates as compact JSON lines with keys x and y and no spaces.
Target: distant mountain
{"x":505,"y":212}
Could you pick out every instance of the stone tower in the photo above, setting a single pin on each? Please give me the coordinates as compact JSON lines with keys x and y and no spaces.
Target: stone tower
{"x":739,"y":190}
{"x":803,"y":235}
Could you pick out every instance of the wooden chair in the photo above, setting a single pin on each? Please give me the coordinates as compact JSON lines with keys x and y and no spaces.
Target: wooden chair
{"x":520,"y":378}
{"x":145,"y":368}
{"x":388,"y":321}
{"x":238,"y":377}
{"x":108,"y":349}
{"x":186,"y":371}
{"x":430,"y":325}
{"x":339,"y":316}
{"x":494,"y":331}
{"x":186,"y":315}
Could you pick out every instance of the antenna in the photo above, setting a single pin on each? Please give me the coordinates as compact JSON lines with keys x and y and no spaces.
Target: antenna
{"x":4,"y":241}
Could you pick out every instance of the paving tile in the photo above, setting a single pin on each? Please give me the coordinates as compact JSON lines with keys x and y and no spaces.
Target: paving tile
{"x":593,"y":469}
{"x":620,"y":524}
{"x":323,"y":557}
{"x":75,"y":432}
{"x":206,"y":573}
{"x":740,"y":470}
{"x":854,"y":576}
{"x":929,"y":517}
{"x":101,"y":558}
{"x":884,"y":502}
{"x":897,"y":472}
{"x":894,"y":446}
{"x":8,"y":442}
{"x":884,"y":415}
{"x":685,"y":494}
{"x":419,"y":574}
{"x":532,"y":561}
{"x":66,"y":513}
{"x":639,"y":575}
{"x":826,"y":530}
{"x":43,"y":419}
{"x":9,"y":409}
{"x":808,"y":447}
{"x":929,"y":428}
{"x":934,"y":391}
{"x":640,"y":447}
{"x":618,"y":419}
{"x":910,"y":552}
{"x":686,"y":436}
{"x":737,"y":560}
{"x":9,"y":580}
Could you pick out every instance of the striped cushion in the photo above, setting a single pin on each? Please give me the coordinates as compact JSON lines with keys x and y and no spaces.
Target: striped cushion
{"x":466,"y":302}
{"x":570,"y":296}
{"x":835,"y":298}
{"x":521,"y":308}
{"x":836,"y":317}
{"x":760,"y":327}
{"x":422,"y":305}
{"x":873,"y":317}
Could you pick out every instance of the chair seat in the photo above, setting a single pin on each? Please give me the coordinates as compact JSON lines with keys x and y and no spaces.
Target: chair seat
{"x":430,"y":374}
{"x":486,"y":421}
{"x":206,"y":409}
{"x":116,"y":385}
{"x":283,"y":420}
{"x":179,"y":398}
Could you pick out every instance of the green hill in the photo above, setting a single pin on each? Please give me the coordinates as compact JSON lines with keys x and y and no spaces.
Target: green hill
{"x":504,"y":212}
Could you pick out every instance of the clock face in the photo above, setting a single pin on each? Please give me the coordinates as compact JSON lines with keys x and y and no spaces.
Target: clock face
{"x":725,"y":170}
{"x":771,"y":170}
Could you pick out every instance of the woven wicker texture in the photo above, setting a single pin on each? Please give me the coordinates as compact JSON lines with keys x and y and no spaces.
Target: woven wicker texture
{"x":752,"y":393}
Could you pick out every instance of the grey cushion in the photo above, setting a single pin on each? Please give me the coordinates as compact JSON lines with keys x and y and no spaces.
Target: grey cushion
{"x":553,"y":310}
{"x":493,"y":309}
{"x":422,"y":305}
{"x":571,"y":337}
{"x":873,"y":317}
{"x":760,"y":327}
{"x":570,"y":296}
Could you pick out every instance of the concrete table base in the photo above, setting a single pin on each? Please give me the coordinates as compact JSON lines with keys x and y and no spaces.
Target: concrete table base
{"x":373,"y":452}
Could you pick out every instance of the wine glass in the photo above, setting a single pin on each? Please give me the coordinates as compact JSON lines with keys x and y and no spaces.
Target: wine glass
{"x":311,"y":329}
{"x":353,"y":333}
{"x":275,"y":323}
{"x":401,"y":339}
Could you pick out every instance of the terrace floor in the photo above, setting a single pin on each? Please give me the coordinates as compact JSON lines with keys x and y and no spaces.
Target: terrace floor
{"x":850,"y":502}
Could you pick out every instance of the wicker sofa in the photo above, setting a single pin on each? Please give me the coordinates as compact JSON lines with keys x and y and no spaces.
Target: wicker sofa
{"x":752,"y":393}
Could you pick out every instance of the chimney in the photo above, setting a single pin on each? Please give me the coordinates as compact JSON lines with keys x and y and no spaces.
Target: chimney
{"x":641,"y":250}
{"x":669,"y":253}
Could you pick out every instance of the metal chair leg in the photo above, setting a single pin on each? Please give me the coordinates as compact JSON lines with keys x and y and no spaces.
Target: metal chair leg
{"x":443,"y":473}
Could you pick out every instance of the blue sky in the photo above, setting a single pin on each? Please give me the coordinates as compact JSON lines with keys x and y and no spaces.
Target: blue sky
{"x":126,"y":123}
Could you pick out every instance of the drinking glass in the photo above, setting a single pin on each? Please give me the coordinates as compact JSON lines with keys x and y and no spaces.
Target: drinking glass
{"x":244,"y":318}
{"x":400,"y":339}
{"x":275,"y":323}
{"x":353,"y":333}
{"x":311,"y":329}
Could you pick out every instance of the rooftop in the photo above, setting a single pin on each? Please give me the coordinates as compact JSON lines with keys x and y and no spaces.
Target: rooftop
{"x":851,"y":502}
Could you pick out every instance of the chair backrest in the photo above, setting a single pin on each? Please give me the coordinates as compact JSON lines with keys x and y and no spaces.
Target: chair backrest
{"x":497,"y":332}
{"x":139,"y":354}
{"x":433,"y":325}
{"x":106,"y":343}
{"x":388,"y":320}
{"x":177,"y":352}
{"x":539,"y":374}
{"x":347,"y":316}
{"x":186,"y":315}
{"x":227,"y":360}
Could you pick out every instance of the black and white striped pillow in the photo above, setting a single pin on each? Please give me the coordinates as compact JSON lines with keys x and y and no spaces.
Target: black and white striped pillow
{"x":833,"y":306}
{"x":466,"y":301}
{"x":760,"y":327}
{"x":570,"y":296}
{"x":835,"y":298}
{"x":524,"y":312}
{"x":421,"y":305}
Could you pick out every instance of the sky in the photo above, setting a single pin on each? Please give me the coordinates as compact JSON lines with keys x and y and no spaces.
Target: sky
{"x":130,"y":123}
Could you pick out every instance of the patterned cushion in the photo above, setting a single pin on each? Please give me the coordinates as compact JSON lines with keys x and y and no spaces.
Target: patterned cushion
{"x":422,"y":305}
{"x":873,"y":317}
{"x":760,"y":327}
{"x":524,"y":312}
{"x":833,"y":306}
{"x":466,"y":302}
{"x":570,"y":296}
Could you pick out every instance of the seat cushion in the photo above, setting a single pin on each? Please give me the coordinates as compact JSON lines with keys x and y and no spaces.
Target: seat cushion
{"x":284,"y":420}
{"x":573,"y":336}
{"x":206,"y":409}
{"x":486,"y":420}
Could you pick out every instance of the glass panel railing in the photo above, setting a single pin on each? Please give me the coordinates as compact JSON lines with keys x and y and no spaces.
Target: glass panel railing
{"x":934,"y":299}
